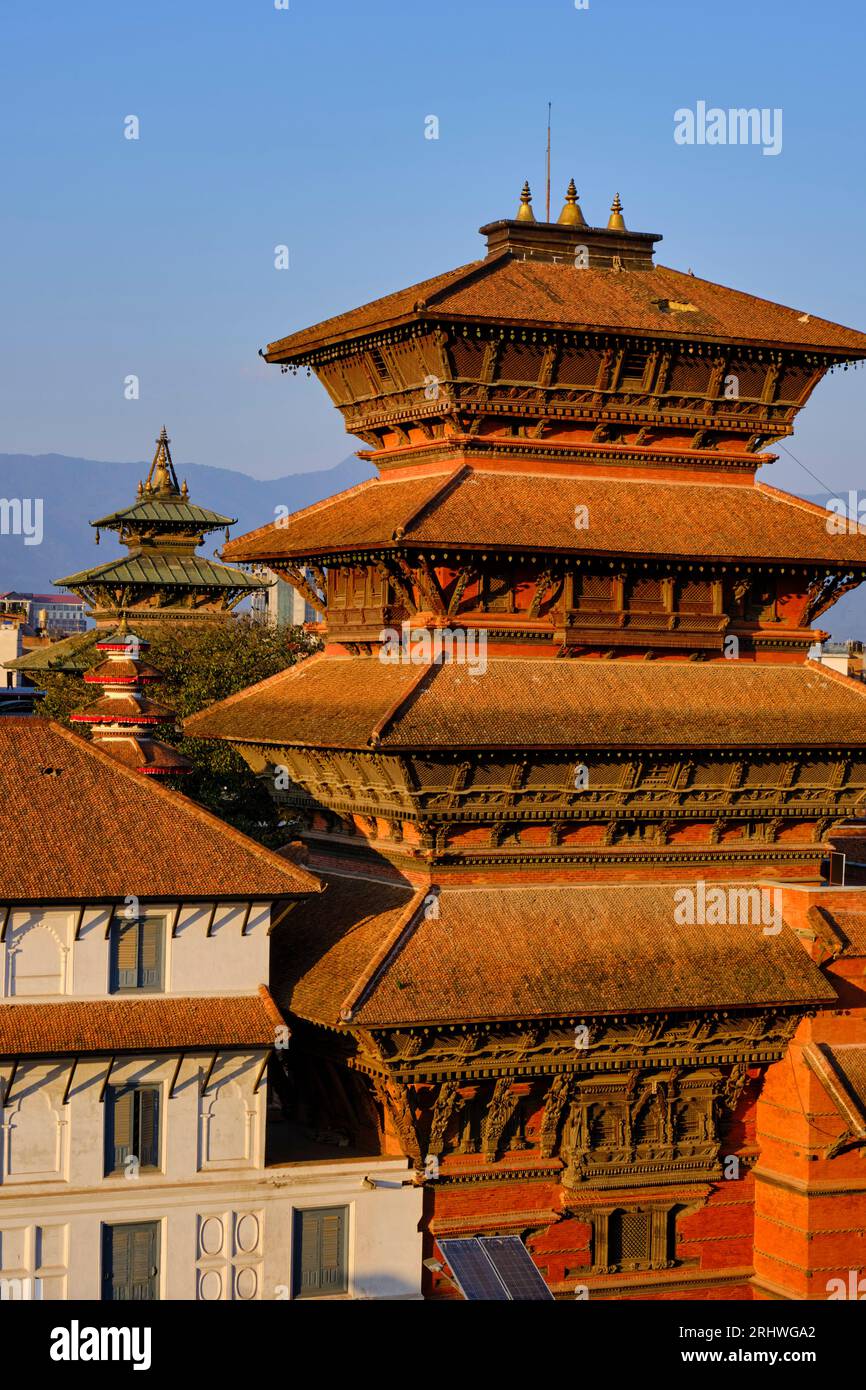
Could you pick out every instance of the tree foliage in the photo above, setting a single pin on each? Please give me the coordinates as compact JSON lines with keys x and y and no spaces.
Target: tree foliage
{"x":202,"y":663}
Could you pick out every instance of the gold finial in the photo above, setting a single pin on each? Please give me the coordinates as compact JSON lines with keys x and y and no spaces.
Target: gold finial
{"x":571,"y":215}
{"x":524,"y":212}
{"x":162,"y":477}
{"x":615,"y":222}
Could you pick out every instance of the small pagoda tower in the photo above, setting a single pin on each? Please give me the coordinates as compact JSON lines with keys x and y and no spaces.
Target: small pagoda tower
{"x":121,"y":720}
{"x":162,"y":578}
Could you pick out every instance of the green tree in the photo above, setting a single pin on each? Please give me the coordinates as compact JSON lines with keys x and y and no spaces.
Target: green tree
{"x":200,"y":664}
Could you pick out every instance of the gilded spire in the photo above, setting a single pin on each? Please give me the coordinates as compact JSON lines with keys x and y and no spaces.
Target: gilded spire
{"x":162,"y":477}
{"x":571,"y":215}
{"x":615,"y":222}
{"x":524,"y":212}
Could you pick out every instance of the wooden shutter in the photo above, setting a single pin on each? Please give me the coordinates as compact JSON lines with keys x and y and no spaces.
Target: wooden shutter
{"x":130,"y":1262}
{"x":119,"y":1116}
{"x":320,"y":1252}
{"x":148,"y":1127}
{"x":151,"y":953}
{"x":125,"y":938}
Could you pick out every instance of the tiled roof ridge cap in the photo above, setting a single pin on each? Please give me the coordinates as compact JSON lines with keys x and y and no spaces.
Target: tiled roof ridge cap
{"x":791,"y":498}
{"x":327,"y":324}
{"x":466,"y":275}
{"x":818,"y":1057}
{"x":450,"y":481}
{"x":378,"y":964}
{"x":287,"y":673}
{"x":448,"y":471}
{"x":270,"y":1007}
{"x":185,"y":803}
{"x":302,"y":512}
{"x":833,"y":675}
{"x":397,"y":706}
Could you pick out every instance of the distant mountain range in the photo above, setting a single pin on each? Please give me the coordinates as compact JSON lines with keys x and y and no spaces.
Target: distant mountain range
{"x":74,"y":491}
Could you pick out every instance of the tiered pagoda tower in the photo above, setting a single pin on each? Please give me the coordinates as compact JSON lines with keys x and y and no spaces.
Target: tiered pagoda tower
{"x":162,"y":578}
{"x":500,"y":978}
{"x":122,"y":719}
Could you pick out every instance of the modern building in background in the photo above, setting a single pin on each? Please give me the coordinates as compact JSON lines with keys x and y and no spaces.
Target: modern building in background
{"x":281,"y":604}
{"x":54,"y":615}
{"x":140,"y":1047}
{"x":845,"y":657}
{"x":569,"y":777}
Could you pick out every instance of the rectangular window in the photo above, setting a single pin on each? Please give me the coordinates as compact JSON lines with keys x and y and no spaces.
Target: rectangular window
{"x":131,"y":1127}
{"x":320,"y":1258}
{"x":130,"y":1262}
{"x":137,"y":954}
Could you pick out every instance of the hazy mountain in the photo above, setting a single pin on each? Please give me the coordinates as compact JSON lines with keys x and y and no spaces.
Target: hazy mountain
{"x":74,"y":491}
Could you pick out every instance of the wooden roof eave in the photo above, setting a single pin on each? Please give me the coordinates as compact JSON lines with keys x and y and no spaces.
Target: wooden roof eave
{"x":306,"y":353}
{"x":338,"y":556}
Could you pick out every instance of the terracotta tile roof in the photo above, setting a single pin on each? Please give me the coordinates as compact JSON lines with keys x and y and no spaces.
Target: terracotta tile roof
{"x":497,"y":952}
{"x":317,"y":957}
{"x":137,"y":1025}
{"x":846,"y":925}
{"x":541,"y":293}
{"x":121,"y":672}
{"x":123,"y":708}
{"x":478,"y":509}
{"x":841,"y":1070}
{"x":339,"y":702}
{"x":369,"y":516}
{"x":75,"y":825}
{"x":145,"y":755}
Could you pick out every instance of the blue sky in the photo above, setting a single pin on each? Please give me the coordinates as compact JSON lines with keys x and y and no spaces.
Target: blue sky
{"x":305,"y":127}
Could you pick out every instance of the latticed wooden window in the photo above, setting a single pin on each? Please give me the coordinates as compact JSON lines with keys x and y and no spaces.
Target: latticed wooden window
{"x":137,"y":954}
{"x":695,"y":596}
{"x":593,"y":592}
{"x":629,"y":1237}
{"x":646,"y":593}
{"x":320,"y":1252}
{"x":497,"y":593}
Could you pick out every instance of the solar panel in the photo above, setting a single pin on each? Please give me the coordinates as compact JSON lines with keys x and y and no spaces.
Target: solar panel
{"x":516,"y":1268}
{"x":494,"y":1269}
{"x":473,"y":1272}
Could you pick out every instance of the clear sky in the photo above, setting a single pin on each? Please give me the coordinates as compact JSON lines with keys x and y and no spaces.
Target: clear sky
{"x":306,"y":127}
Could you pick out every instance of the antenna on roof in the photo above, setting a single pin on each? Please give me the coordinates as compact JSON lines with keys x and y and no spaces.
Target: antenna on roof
{"x":547,"y":205}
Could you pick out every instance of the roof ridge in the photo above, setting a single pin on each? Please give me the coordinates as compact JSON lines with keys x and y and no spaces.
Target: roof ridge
{"x":438,"y":495}
{"x":185,"y":803}
{"x":309,"y":510}
{"x":288,"y":672}
{"x":378,"y":964}
{"x":445,"y":275}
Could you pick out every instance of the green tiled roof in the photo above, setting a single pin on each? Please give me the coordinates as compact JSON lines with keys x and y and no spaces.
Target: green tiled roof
{"x":186,"y":571}
{"x":179,"y":513}
{"x":72,"y":654}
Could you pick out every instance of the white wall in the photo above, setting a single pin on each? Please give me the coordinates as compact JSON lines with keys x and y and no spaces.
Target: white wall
{"x":229,"y":1240}
{"x":41,"y":959}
